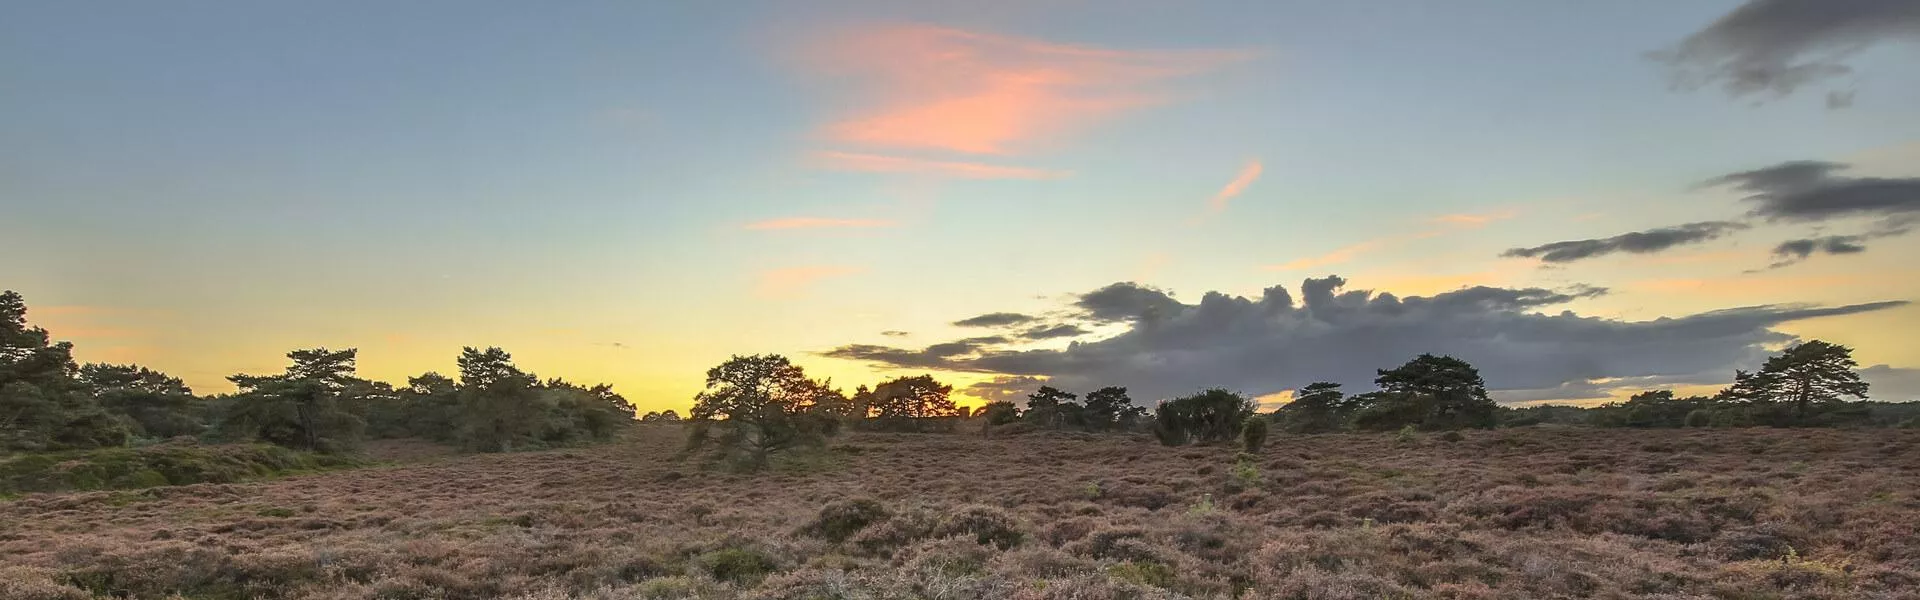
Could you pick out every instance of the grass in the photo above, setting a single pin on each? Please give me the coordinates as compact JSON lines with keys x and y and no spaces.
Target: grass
{"x":1522,"y":513}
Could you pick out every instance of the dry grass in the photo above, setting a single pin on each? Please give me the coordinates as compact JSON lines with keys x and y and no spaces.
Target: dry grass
{"x":1535,"y":513}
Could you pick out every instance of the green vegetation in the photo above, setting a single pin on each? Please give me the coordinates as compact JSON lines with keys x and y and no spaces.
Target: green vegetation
{"x":1214,"y":415}
{"x":66,"y":426}
{"x":174,"y":463}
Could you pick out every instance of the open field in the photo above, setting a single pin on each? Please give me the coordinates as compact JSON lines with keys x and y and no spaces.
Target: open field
{"x":1523,"y":513}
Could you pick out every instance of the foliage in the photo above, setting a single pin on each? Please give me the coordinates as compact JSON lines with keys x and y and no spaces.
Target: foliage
{"x":1319,"y":407}
{"x":840,"y":519}
{"x":918,"y":403}
{"x":1052,"y":408}
{"x":308,"y":407}
{"x":1428,"y":392}
{"x":664,"y":416}
{"x":1253,"y":433}
{"x":1802,"y":383}
{"x":176,"y":463}
{"x":761,"y":401}
{"x":999,"y":412}
{"x":1214,"y":415}
{"x":43,"y":405}
{"x":1109,"y":408}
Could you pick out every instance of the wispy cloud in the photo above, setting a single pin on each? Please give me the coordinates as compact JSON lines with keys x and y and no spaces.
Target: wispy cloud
{"x":794,"y":281}
{"x":881,"y":163}
{"x":936,"y":88}
{"x":1248,"y":174}
{"x":1349,"y":252}
{"x":1474,"y":219}
{"x":817,"y":223}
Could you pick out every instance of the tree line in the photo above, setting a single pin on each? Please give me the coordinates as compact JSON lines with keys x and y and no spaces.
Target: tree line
{"x":755,"y":406}
{"x":318,"y":403}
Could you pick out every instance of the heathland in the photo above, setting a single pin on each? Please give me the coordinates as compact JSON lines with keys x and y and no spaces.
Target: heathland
{"x":1533,"y":512}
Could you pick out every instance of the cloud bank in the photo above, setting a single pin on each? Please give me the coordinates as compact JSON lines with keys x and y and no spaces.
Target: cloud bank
{"x":1774,"y":47}
{"x":1272,"y":342}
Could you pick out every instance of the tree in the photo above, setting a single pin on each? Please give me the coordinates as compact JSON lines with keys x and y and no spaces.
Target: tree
{"x":1048,"y":406}
{"x":43,"y":406}
{"x":305,"y":407}
{"x":999,"y":412}
{"x":1213,"y":415}
{"x":666,"y":416}
{"x":158,"y":405}
{"x":1807,"y":378}
{"x":760,"y":400}
{"x":1109,"y":408}
{"x":918,"y":397}
{"x":1318,"y":408}
{"x":500,"y":405}
{"x":1429,"y":392}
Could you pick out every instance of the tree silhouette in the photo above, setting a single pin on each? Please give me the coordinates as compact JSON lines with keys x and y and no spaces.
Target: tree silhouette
{"x":305,"y":407}
{"x":1319,"y":407}
{"x":1804,"y":377}
{"x":1049,"y":406}
{"x":761,"y":401}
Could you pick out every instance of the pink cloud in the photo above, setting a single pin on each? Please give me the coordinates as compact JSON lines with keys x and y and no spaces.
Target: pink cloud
{"x":1248,"y":174}
{"x":792,"y":281}
{"x":880,"y":163}
{"x":817,"y":223}
{"x":935,"y":88}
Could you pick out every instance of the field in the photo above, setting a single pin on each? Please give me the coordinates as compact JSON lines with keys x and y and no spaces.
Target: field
{"x":1539,"y":512}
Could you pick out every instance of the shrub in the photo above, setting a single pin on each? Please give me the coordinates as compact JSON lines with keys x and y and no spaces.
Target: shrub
{"x":1253,"y":433}
{"x":1214,"y":415}
{"x":896,"y":532}
{"x":1452,"y":436}
{"x":987,"y":524}
{"x":1406,"y":436}
{"x":840,"y":519}
{"x":1699,"y":418}
{"x":1143,"y":573}
{"x":738,"y":565}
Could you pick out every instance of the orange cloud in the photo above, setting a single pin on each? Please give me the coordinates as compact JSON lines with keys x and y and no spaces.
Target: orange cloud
{"x":817,"y":223}
{"x":928,"y":87}
{"x":1474,"y":220}
{"x":1248,"y":174}
{"x":879,"y":163}
{"x":790,"y":281}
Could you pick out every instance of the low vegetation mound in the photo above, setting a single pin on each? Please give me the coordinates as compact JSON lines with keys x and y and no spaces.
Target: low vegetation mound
{"x":173,"y":463}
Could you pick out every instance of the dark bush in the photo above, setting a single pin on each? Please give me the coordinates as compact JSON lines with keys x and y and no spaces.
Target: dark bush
{"x":1253,"y":433}
{"x":738,"y":565}
{"x":840,"y":519}
{"x":987,"y":524}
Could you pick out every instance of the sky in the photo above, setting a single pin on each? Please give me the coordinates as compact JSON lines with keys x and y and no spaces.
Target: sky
{"x":1584,"y":199}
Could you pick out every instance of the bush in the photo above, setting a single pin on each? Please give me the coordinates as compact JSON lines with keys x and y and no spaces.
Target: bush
{"x":1215,"y":415}
{"x":738,"y":565}
{"x":841,"y":519}
{"x":987,"y":524}
{"x":1452,"y":436}
{"x":1699,"y":418}
{"x":1253,"y":433}
{"x":173,"y":463}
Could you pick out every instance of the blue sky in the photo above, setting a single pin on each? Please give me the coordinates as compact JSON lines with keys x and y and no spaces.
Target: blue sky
{"x":201,"y":186}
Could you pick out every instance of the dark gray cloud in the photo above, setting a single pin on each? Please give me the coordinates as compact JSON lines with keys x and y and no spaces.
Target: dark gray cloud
{"x":1805,"y":191}
{"x":1269,"y":344}
{"x":999,"y":319}
{"x":1047,"y":332}
{"x":1011,"y":389}
{"x":945,"y":355}
{"x":1124,"y":302}
{"x":1775,"y":46}
{"x":895,"y":333}
{"x":1833,"y":244}
{"x":1891,"y":384}
{"x":1638,"y":242}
